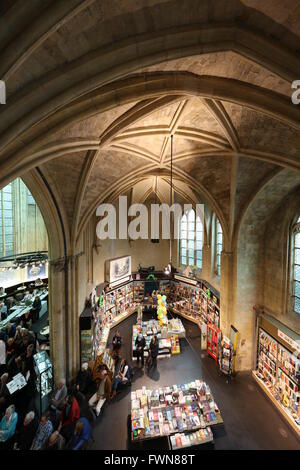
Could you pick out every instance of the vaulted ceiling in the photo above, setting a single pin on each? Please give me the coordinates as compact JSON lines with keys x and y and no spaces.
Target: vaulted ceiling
{"x":95,"y":89}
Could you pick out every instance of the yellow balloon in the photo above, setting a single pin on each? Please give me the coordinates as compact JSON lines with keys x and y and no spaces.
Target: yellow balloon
{"x":158,"y":296}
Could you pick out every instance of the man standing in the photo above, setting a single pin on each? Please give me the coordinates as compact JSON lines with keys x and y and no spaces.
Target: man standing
{"x":140,"y":344}
{"x":153,"y":351}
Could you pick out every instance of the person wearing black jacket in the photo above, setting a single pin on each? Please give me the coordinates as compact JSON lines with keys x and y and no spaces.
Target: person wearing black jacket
{"x":154,"y":347}
{"x":117,"y":341}
{"x":84,"y":379}
{"x":35,"y":309}
{"x":140,"y":344}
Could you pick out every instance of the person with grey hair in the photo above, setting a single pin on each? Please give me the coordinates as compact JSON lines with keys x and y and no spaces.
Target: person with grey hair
{"x":59,"y":395}
{"x":25,"y":436}
{"x":8,"y":426}
{"x":84,"y":379}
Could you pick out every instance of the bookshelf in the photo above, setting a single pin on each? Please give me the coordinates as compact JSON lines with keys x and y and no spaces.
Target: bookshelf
{"x":278,"y":372}
{"x":196,"y":303}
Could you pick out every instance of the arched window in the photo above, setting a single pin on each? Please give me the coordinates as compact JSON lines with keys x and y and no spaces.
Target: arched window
{"x":6,"y":222}
{"x":183,"y":240}
{"x":191,"y":237}
{"x":199,"y":242}
{"x":218,"y":246}
{"x":296,"y":265}
{"x":22,"y":227}
{"x":191,"y":240}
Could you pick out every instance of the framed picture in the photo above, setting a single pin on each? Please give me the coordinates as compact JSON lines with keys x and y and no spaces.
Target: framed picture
{"x":117,"y":269}
{"x":36,"y":271}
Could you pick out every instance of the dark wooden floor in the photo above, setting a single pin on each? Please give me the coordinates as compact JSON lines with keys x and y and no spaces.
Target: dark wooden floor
{"x":250,"y":419}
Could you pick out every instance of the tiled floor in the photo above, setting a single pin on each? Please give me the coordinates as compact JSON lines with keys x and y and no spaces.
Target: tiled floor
{"x":250,"y":420}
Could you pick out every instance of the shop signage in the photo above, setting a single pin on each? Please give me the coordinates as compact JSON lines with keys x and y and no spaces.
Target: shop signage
{"x":294,"y":344}
{"x":193,"y":282}
{"x":117,"y":283}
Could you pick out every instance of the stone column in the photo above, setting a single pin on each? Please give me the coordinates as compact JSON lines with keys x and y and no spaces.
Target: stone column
{"x":56,"y":305}
{"x":206,"y":261}
{"x":227,"y":286}
{"x":63,"y":317}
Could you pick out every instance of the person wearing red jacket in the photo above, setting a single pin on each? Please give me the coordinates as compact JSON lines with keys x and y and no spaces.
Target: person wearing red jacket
{"x":69,"y":416}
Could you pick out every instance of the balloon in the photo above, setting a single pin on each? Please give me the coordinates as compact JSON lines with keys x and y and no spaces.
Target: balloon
{"x":158,"y":296}
{"x":164,"y":298}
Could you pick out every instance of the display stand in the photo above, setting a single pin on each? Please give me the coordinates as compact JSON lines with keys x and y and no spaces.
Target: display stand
{"x":226,"y":357}
{"x":44,"y":380}
{"x":213,"y":341}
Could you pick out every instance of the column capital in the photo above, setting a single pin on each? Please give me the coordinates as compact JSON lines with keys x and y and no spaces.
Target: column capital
{"x":60,"y":264}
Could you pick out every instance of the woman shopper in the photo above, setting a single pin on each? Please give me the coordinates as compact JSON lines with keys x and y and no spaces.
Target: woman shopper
{"x":153,"y":351}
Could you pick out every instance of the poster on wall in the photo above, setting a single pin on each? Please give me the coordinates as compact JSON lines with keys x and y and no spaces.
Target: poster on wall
{"x":34,"y":272}
{"x":117,"y":269}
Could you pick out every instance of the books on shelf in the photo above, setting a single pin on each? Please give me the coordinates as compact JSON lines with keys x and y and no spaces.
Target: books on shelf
{"x":194,"y":303}
{"x":279,"y":370}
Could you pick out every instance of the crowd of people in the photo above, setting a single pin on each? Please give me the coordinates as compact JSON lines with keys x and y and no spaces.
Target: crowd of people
{"x":68,"y":420}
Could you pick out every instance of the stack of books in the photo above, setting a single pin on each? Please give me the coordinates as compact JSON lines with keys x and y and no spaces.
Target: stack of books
{"x":172,"y":409}
{"x":201,"y":436}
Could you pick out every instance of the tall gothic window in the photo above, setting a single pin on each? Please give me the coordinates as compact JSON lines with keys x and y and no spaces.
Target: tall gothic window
{"x":296,"y":265}
{"x":6,"y":222}
{"x":191,"y":240}
{"x":218,"y":246}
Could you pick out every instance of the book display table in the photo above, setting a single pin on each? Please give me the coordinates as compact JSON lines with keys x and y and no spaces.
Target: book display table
{"x":178,"y":411}
{"x":168,"y":339}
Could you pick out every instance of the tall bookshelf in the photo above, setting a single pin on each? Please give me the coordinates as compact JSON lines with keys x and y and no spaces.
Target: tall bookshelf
{"x":279,"y":370}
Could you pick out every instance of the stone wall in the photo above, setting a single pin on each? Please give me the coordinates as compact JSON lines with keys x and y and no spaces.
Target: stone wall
{"x":277,"y":256}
